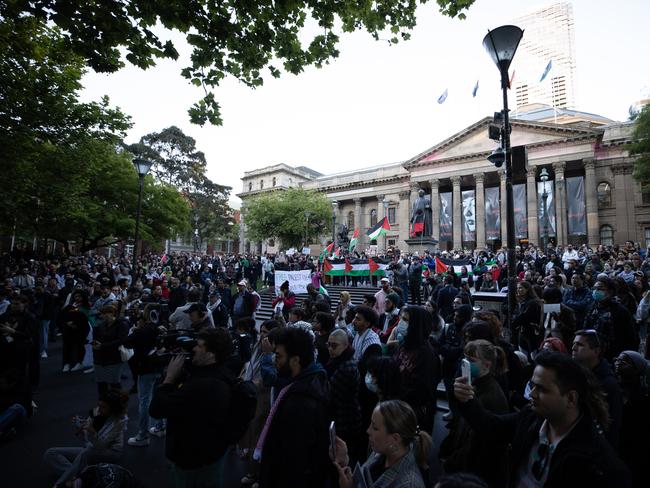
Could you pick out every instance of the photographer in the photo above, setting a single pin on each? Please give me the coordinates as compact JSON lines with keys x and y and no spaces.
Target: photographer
{"x":196,"y":408}
{"x":143,"y":342}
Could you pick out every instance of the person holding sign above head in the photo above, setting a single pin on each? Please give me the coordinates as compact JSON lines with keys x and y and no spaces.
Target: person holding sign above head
{"x":285,"y":301}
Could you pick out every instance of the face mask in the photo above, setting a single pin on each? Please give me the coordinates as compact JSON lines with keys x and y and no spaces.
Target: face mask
{"x":475,"y":369}
{"x":370,"y":385}
{"x":598,"y":295}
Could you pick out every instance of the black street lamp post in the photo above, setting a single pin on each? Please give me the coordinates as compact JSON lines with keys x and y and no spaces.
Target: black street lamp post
{"x":501,"y":44}
{"x":142,"y":166}
{"x":543,"y":176}
{"x":334,"y":204}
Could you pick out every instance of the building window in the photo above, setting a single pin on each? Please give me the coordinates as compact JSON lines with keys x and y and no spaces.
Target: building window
{"x":607,"y":235}
{"x":391,"y":215}
{"x":271,"y":243}
{"x":261,"y":184}
{"x":250,"y":186}
{"x":350,"y":220}
{"x":274,"y":181}
{"x":645,"y":198}
{"x":373,"y":217}
{"x":392,"y":242}
{"x":604,"y":195}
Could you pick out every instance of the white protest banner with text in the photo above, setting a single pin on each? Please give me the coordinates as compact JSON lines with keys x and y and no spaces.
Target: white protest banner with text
{"x":298,"y":280}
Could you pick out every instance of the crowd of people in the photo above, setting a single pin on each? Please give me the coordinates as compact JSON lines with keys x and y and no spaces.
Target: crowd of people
{"x":552,"y":391}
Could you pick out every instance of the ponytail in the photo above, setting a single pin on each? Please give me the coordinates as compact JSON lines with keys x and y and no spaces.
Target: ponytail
{"x":422,"y":445}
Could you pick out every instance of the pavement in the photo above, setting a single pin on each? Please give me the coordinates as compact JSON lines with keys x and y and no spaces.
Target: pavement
{"x":61,"y":396}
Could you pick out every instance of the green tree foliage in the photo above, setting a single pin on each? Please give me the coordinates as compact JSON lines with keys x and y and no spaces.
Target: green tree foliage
{"x":62,"y":174}
{"x":281,"y":215}
{"x":641,"y":146}
{"x":178,"y":163}
{"x":244,"y":39}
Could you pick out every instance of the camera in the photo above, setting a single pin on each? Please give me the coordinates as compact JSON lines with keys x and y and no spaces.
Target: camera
{"x":174,"y":343}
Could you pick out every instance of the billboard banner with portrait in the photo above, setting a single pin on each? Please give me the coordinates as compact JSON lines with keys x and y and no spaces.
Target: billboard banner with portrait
{"x":492,"y":214}
{"x":446,"y":216}
{"x":576,"y":209}
{"x":469,"y":215}
{"x":550,"y":208}
{"x":521,"y":222}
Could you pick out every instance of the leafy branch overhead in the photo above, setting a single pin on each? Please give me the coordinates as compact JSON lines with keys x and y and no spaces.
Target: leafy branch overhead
{"x":244,"y":39}
{"x":641,"y":146}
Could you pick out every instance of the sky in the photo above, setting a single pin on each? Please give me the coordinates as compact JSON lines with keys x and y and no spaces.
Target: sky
{"x":377,"y":104}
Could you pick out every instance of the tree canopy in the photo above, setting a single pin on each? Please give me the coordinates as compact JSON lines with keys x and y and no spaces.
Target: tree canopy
{"x":63,"y":175}
{"x":243,"y":39}
{"x":282,"y":215}
{"x":641,"y":146}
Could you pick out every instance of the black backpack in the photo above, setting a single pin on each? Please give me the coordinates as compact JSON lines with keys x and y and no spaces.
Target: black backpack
{"x":243,"y":405}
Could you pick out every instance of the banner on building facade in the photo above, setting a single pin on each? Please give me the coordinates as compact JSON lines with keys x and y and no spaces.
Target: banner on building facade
{"x":492,"y":214}
{"x":298,"y":280}
{"x":446,"y":216}
{"x":576,"y":209}
{"x":521,"y":222}
{"x":550,"y":208}
{"x":469,"y":215}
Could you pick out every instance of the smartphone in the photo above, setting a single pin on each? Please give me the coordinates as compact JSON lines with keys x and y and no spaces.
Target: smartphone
{"x":466,"y":370}
{"x":333,"y":438}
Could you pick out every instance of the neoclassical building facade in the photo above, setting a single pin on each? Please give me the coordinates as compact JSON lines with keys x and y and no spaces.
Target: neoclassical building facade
{"x":585,"y":195}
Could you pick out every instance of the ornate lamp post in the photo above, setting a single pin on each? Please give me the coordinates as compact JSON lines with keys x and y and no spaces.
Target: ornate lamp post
{"x":385,"y":203}
{"x":543,"y":176}
{"x":142,"y":166}
{"x":501,"y":44}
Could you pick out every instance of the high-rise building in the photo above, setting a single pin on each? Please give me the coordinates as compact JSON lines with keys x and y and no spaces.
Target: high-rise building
{"x":548,"y":37}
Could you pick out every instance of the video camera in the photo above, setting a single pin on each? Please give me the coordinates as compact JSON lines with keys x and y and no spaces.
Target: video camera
{"x":181,"y":341}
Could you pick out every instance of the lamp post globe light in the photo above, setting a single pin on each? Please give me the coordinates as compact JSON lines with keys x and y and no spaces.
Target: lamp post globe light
{"x":501,"y":44}
{"x":142,"y":166}
{"x":543,"y":176}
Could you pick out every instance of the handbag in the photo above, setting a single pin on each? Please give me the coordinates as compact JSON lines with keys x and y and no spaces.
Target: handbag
{"x":126,"y":353}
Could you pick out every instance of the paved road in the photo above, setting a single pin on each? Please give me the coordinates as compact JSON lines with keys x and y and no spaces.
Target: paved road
{"x":59,"y":397}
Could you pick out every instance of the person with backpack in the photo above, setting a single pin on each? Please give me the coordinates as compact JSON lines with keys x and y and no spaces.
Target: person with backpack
{"x":197,"y":405}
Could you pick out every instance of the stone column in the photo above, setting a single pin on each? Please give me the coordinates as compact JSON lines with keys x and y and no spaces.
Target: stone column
{"x":435,"y":209}
{"x":358,"y":223}
{"x":623,"y":191}
{"x":458,"y":211}
{"x":591,"y":194}
{"x":403,"y":218}
{"x":560,"y":203}
{"x":531,"y":207}
{"x":242,"y":230}
{"x":502,"y":203}
{"x":479,"y":178}
{"x":380,"y":208}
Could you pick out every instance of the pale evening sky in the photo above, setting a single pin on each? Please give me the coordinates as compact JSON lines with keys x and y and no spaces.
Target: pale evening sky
{"x":376,"y":104}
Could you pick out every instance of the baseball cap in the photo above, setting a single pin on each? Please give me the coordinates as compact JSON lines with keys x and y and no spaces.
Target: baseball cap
{"x":385,"y":280}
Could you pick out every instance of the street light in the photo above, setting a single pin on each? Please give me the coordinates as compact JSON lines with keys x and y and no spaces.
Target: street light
{"x":543,"y":176}
{"x":142,"y":166}
{"x":307,"y":214}
{"x":196,"y":231}
{"x":385,"y":202}
{"x":334,"y":205}
{"x":501,"y":44}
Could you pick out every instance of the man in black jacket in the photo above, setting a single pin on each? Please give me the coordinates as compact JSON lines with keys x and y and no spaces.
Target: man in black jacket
{"x":446,"y":297}
{"x":586,"y":350}
{"x":294,"y":452}
{"x":196,"y":410}
{"x":555,"y":442}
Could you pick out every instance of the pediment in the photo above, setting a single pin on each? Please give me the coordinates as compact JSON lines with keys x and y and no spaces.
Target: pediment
{"x":474,"y":140}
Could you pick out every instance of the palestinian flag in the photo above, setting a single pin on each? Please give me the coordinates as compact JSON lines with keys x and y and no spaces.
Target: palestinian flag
{"x":379,"y":229}
{"x":326,"y":252}
{"x":444,"y":265}
{"x":415,"y":228}
{"x":354,"y":240}
{"x":355,"y":267}
{"x":338,"y":252}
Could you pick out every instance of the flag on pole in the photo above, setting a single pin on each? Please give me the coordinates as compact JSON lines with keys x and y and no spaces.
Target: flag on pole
{"x":546,"y":70}
{"x":512,"y":78}
{"x":379,"y":229}
{"x":475,"y":90}
{"x":326,"y":252}
{"x":354,"y":240}
{"x":443,"y":97}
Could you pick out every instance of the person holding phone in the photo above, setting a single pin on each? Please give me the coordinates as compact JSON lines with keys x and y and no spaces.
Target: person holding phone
{"x":400,"y":451}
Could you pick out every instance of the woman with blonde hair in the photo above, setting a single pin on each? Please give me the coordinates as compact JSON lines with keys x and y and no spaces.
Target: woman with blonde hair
{"x":341,"y":310}
{"x":464,"y":450}
{"x":400,"y":450}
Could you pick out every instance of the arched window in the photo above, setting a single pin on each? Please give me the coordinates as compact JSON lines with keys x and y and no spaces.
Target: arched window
{"x":261,"y":184}
{"x":604,"y":195}
{"x":274,"y":181}
{"x":606,"y":235}
{"x":250,"y":186}
{"x":350,"y":220}
{"x":373,"y":217}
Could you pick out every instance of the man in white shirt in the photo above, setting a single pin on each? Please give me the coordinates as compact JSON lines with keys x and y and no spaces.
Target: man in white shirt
{"x":568,"y":255}
{"x":380,"y":296}
{"x":180,"y":319}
